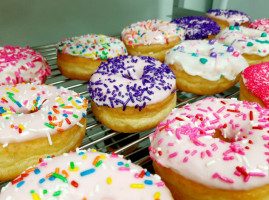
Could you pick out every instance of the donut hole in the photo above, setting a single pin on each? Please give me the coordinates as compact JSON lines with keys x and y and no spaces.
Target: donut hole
{"x":218,"y":134}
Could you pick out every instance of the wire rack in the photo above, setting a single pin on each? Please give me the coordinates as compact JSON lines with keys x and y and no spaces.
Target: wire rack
{"x":133,"y":146}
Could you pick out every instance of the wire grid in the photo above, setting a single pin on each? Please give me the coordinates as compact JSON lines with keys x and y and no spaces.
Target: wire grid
{"x":133,"y":146}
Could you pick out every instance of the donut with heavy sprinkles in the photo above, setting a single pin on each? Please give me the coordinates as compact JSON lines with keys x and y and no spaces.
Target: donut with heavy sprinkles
{"x":132,"y":93}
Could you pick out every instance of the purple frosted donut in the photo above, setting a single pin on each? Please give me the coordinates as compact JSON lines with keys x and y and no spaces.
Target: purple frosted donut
{"x":127,"y":89}
{"x":197,"y":28}
{"x":233,"y":17}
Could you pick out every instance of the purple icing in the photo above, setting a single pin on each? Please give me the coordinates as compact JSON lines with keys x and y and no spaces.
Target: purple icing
{"x":152,"y":77}
{"x":228,"y":13}
{"x":197,"y":28}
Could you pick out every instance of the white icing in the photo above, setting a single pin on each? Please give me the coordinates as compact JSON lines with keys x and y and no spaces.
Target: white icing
{"x":93,"y":46}
{"x":113,"y":179}
{"x":151,"y":32}
{"x":189,"y":52}
{"x":33,"y":124}
{"x":249,"y":151}
{"x":245,"y":40}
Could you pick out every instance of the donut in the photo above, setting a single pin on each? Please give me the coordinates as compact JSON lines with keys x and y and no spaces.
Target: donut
{"x":151,"y":38}
{"x":37,"y":121}
{"x":20,"y":65}
{"x":226,"y":18}
{"x":79,"y":57}
{"x":254,"y":84}
{"x":205,"y":67}
{"x":197,"y":28}
{"x":253,"y":44}
{"x":132,"y":93}
{"x":261,"y":24}
{"x":86,"y":175}
{"x":215,"y":148}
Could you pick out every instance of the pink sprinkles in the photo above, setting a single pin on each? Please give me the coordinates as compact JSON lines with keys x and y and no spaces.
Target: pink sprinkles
{"x":239,"y":120}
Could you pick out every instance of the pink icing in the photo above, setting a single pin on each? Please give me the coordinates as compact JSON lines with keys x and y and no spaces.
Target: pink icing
{"x":256,"y":79}
{"x":30,"y":111}
{"x":261,"y":24}
{"x":85,"y":176}
{"x":151,"y":32}
{"x":18,"y":65}
{"x":240,"y":164}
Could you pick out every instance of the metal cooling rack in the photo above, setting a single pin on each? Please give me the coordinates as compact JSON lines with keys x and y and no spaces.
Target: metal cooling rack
{"x":132,"y":146}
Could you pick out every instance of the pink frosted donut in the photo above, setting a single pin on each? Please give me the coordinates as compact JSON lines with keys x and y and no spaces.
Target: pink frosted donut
{"x":86,"y":176}
{"x":214,"y":147}
{"x":254,"y":85}
{"x":261,"y":24}
{"x":19,"y":65}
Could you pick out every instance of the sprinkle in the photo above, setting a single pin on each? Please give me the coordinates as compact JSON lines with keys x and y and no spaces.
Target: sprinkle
{"x":57,"y":193}
{"x":87,"y":172}
{"x":74,"y":183}
{"x":137,"y":186}
{"x":60,"y":177}
{"x":35,"y":196}
{"x":203,"y":60}
{"x":109,"y":180}
{"x":172,"y":155}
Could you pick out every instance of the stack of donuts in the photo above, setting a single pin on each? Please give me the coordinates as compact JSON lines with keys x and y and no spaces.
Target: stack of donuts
{"x":215,"y":148}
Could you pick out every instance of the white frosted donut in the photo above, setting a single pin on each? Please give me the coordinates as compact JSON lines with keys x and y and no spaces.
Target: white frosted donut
{"x":253,"y":44}
{"x":79,"y":57}
{"x":132,"y":93}
{"x":226,"y":18}
{"x":86,"y":175}
{"x":209,"y":62}
{"x":218,"y":146}
{"x":151,"y":38}
{"x":36,"y":121}
{"x":19,"y":65}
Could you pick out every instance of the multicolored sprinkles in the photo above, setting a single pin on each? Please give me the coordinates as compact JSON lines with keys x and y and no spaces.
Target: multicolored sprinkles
{"x":19,"y":65}
{"x":151,"y":32}
{"x":92,"y":46}
{"x":245,"y":40}
{"x":29,"y":111}
{"x":113,"y":178}
{"x":220,"y":143}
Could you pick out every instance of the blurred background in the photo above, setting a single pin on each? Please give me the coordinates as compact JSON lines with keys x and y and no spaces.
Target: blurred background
{"x":39,"y":22}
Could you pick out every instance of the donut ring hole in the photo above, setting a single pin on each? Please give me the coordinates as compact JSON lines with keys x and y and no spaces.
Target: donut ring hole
{"x":218,"y":134}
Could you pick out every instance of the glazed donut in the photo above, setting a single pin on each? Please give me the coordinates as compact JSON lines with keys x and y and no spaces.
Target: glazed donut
{"x":253,"y":44}
{"x":86,"y":175}
{"x":132,"y":93}
{"x":254,"y":84}
{"x":226,"y":18}
{"x":151,"y":38}
{"x":197,"y":28}
{"x":37,"y":121}
{"x":20,"y":65}
{"x":214,"y":148}
{"x":205,"y":67}
{"x":79,"y":57}
{"x":261,"y":24}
